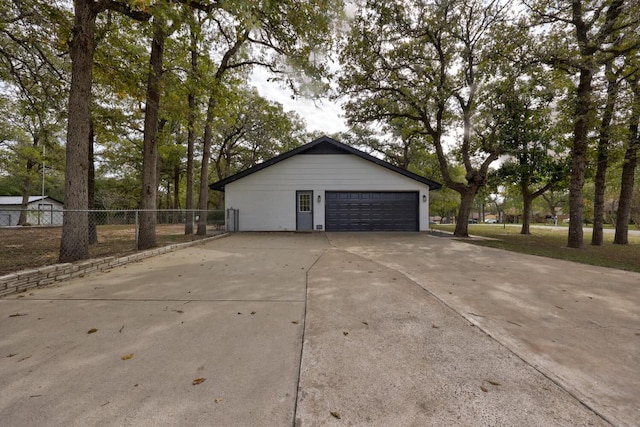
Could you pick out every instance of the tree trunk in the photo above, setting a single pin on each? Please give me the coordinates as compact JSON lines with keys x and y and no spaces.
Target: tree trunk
{"x":203,"y":199}
{"x":527,"y":201}
{"x":26,"y":192}
{"x":74,"y":244}
{"x":176,"y":194}
{"x":464,"y":211}
{"x":603,"y":157}
{"x":91,"y":191}
{"x":578,"y":158}
{"x":22,"y":220}
{"x":191,"y":134}
{"x":191,"y":137}
{"x":628,"y":170}
{"x":149,"y":194}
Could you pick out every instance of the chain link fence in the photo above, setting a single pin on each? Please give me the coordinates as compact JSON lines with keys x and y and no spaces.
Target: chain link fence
{"x":31,"y":238}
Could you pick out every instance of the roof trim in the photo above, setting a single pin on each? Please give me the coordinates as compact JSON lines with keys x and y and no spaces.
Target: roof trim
{"x":433,"y":185}
{"x":32,"y":199}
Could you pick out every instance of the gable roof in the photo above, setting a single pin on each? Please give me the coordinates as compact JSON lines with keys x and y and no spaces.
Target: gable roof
{"x":323,"y":145}
{"x":17,"y":200}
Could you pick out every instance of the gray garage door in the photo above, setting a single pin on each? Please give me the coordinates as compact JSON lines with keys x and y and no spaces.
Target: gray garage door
{"x":371,"y":211}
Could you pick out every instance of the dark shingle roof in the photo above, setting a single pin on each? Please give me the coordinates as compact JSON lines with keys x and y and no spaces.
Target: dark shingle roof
{"x":323,"y":145}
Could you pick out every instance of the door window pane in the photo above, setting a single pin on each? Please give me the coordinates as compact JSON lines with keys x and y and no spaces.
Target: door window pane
{"x":304,"y":202}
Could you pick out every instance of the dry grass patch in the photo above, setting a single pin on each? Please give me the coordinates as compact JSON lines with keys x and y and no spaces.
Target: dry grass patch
{"x":30,"y":247}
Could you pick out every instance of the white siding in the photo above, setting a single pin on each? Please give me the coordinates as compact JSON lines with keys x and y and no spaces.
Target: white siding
{"x":267,"y":199}
{"x":41,"y":211}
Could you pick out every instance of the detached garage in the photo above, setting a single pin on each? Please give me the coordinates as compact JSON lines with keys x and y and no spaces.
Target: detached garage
{"x":42,"y":210}
{"x":327,"y":185}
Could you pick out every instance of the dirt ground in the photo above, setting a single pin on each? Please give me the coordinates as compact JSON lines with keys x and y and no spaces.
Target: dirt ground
{"x":29,"y":247}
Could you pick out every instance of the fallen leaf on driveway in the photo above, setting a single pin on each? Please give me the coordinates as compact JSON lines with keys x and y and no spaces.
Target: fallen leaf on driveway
{"x":198,"y":381}
{"x":127,"y":356}
{"x":493,"y":382}
{"x":295,"y":322}
{"x":335,"y":415}
{"x":217,"y":400}
{"x":92,"y":331}
{"x":483,"y":388}
{"x":12,"y":354}
{"x":178,"y":311}
{"x":345,"y":333}
{"x":18,"y":315}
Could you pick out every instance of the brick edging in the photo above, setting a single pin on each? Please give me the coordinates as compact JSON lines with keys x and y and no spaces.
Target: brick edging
{"x":21,"y":281}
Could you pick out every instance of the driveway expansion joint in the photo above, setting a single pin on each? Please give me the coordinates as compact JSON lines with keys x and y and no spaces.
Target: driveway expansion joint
{"x":304,"y":328}
{"x":473,"y":322}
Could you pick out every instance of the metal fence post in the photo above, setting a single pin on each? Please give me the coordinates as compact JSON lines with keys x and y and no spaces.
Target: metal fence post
{"x":137,"y":225}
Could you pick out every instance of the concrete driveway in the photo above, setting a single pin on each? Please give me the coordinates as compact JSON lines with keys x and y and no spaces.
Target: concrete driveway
{"x":576,"y":325}
{"x":315,"y":329}
{"x":230,"y":312}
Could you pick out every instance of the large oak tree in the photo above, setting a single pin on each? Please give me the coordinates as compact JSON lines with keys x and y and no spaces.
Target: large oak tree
{"x":426,"y":62}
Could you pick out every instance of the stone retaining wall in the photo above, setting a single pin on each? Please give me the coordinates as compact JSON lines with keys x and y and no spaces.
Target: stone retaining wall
{"x":27,"y":279}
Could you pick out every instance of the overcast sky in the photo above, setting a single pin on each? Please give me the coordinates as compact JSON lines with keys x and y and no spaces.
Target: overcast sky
{"x":323,"y":116}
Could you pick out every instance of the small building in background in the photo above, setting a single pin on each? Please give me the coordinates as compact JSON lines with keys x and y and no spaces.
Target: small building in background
{"x":42,"y":210}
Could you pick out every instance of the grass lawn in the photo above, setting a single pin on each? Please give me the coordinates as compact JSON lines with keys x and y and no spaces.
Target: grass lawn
{"x":552,"y":242}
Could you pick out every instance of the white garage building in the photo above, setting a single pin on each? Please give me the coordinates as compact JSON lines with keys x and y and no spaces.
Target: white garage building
{"x":42,"y":210}
{"x":327,"y":185}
